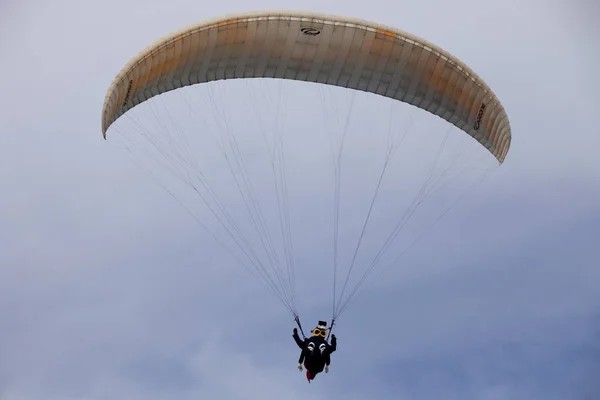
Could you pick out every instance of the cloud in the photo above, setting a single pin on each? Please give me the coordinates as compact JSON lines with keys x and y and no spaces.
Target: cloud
{"x":109,"y":290}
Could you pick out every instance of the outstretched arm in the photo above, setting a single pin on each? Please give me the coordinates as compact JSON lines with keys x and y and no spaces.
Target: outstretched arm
{"x":297,"y":339}
{"x":330,"y":349}
{"x":333,"y":345}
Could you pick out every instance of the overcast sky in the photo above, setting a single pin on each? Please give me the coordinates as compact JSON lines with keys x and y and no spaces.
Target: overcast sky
{"x":108,"y":292}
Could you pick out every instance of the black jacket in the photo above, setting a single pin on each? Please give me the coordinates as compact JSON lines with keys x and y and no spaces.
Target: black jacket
{"x":315,"y":358}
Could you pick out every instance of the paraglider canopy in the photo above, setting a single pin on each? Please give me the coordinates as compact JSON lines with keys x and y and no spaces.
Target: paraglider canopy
{"x":320,"y":48}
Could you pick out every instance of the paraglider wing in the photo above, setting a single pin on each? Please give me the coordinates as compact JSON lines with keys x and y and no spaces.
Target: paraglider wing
{"x":325,"y":49}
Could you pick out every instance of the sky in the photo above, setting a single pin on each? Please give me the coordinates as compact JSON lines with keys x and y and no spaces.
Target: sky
{"x":109,"y":290}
